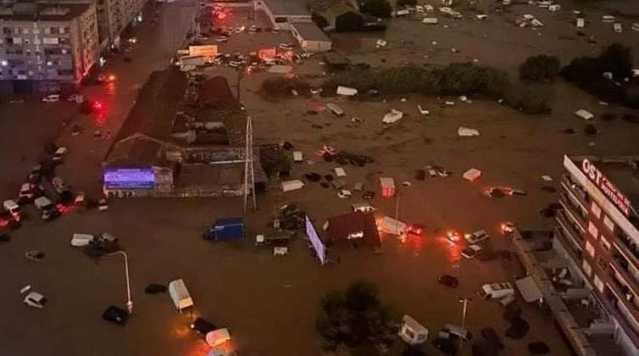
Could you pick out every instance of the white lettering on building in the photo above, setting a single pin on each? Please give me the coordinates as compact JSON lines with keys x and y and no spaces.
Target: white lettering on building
{"x":609,"y":189}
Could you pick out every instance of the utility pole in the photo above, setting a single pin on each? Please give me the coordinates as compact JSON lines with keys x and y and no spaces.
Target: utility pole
{"x":249,"y":171}
{"x":464,"y":302}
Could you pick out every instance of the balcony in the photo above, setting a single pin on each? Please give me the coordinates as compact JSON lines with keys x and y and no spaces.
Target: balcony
{"x":569,"y":239}
{"x":610,"y":301}
{"x":630,"y":252}
{"x":572,"y":213}
{"x":624,"y":296}
{"x":575,"y":192}
{"x":618,"y":264}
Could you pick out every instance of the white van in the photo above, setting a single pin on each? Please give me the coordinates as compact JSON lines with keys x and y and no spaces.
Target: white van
{"x":412,"y":332}
{"x":336,"y":110}
{"x":392,"y":226}
{"x":458,"y":331}
{"x":496,"y":290}
{"x":12,"y":207}
{"x":51,"y":98}
{"x":180,"y":295}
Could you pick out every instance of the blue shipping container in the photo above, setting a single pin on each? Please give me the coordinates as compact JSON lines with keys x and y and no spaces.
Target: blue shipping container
{"x":226,"y":229}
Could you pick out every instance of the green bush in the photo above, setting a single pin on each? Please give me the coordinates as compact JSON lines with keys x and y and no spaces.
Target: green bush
{"x":468,"y":79}
{"x":454,"y":79}
{"x":283,"y":86}
{"x":530,"y":99}
{"x":377,"y":8}
{"x":540,"y":68}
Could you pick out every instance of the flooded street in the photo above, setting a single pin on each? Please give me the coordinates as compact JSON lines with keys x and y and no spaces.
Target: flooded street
{"x":270,"y":303}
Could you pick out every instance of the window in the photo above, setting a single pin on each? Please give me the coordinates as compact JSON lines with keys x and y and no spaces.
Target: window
{"x":595,"y":209}
{"x":586,"y":267}
{"x":25,"y":31}
{"x":6,"y":30}
{"x":55,"y":30}
{"x":609,"y":223}
{"x":281,"y":19}
{"x":599,"y":284}
{"x":592,"y":229}
{"x":605,"y":242}
{"x":590,"y":249}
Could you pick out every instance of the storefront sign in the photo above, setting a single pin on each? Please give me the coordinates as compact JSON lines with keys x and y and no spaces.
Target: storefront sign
{"x":129,"y":178}
{"x":609,"y":189}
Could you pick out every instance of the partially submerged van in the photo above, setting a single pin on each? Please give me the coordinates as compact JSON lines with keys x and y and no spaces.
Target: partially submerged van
{"x":180,"y":295}
{"x":496,"y":290}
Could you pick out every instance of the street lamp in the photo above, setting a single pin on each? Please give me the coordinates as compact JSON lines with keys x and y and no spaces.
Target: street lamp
{"x":464,"y":301}
{"x":129,"y":303}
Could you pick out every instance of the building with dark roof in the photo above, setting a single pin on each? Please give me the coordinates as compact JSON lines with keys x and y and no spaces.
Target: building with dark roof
{"x":354,"y":227}
{"x":310,"y":37}
{"x":338,"y":17}
{"x":284,"y":12}
{"x":182,"y":138}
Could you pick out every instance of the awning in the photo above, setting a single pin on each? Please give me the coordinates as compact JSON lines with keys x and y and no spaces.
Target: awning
{"x":528,"y":289}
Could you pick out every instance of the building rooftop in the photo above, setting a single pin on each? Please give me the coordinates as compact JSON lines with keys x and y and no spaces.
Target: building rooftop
{"x":310,"y":32}
{"x":28,"y":11}
{"x":341,"y":226}
{"x":287,"y":7}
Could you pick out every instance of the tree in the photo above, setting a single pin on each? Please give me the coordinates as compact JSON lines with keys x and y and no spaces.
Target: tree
{"x":632,"y":96}
{"x":355,"y":318}
{"x":362,"y":296}
{"x":617,"y":59}
{"x":540,"y":68}
{"x":377,"y":8}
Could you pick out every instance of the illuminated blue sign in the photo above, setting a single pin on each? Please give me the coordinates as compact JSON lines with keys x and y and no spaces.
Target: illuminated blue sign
{"x":129,"y":178}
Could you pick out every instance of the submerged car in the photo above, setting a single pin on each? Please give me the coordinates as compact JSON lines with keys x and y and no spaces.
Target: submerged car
{"x":476,"y":237}
{"x":35,"y":300}
{"x":471,"y":251}
{"x":115,"y":315}
{"x":448,"y":280}
{"x":202,"y":326}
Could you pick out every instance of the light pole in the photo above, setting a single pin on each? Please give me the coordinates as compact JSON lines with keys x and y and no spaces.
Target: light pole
{"x":129,"y":303}
{"x":464,"y":301}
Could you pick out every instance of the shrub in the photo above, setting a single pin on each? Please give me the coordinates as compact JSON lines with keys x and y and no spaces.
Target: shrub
{"x":530,"y":99}
{"x":377,"y":8}
{"x":454,"y":79}
{"x":402,"y":3}
{"x":540,"y":68}
{"x":467,"y":79}
{"x":283,"y":86}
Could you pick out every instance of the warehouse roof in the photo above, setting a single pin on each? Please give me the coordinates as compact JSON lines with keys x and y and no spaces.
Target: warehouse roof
{"x":310,"y":32}
{"x":287,"y":7}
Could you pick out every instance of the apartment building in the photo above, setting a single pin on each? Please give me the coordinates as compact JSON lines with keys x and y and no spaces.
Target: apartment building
{"x":114,"y":16}
{"x":45,"y":46}
{"x":598,"y":230}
